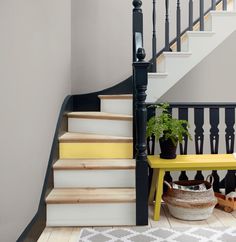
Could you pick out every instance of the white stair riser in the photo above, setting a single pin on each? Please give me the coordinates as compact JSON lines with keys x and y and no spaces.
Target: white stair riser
{"x":177,"y":67}
{"x":119,"y":106}
{"x":94,"y":178}
{"x":100,"y":214}
{"x":101,"y":126}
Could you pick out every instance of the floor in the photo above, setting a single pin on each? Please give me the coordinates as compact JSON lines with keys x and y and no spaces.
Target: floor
{"x":218,"y":219}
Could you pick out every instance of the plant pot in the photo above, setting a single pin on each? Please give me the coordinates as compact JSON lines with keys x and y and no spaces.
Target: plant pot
{"x":168,"y":149}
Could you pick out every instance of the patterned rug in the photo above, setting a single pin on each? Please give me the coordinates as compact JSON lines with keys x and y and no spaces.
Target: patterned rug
{"x":145,"y":234}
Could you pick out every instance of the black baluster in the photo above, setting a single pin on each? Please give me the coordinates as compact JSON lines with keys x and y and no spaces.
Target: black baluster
{"x":167,"y":176}
{"x":213,"y":4}
{"x":137,"y":27}
{"x":154,"y":38}
{"x":201,"y":15}
{"x":140,"y":85}
{"x":214,"y":142}
{"x":190,"y":15}
{"x":183,"y":114}
{"x":178,"y":25}
{"x":167,"y":27}
{"x":199,"y":136}
{"x":230,"y":180}
{"x":224,"y":5}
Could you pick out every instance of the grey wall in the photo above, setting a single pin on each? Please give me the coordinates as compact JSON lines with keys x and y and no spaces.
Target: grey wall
{"x":34,"y":79}
{"x":213,"y":80}
{"x":102,"y":39}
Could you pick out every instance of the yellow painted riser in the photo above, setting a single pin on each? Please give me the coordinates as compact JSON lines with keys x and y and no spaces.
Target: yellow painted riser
{"x":96,"y":150}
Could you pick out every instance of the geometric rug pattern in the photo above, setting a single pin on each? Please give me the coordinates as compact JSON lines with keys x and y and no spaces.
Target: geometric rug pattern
{"x":145,"y":234}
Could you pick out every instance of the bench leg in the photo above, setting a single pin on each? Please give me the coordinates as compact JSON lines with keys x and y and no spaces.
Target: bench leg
{"x":159,"y":191}
{"x":153,"y":187}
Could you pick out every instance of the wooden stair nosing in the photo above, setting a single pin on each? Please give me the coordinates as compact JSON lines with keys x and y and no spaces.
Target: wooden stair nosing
{"x":100,"y":115}
{"x":95,"y":164}
{"x":70,"y":137}
{"x":91,"y":195}
{"x":121,"y":96}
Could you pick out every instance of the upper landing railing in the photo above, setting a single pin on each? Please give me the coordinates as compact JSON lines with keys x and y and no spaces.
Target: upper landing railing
{"x":179,"y":32}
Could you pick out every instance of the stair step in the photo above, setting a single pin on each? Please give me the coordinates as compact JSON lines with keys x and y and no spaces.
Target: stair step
{"x":120,"y":104}
{"x":95,"y":138}
{"x":100,"y":115}
{"x":121,"y":96}
{"x":95,"y":164}
{"x":90,"y":195}
{"x":100,"y":123}
{"x":86,"y":146}
{"x":91,"y":207}
{"x":86,"y":173}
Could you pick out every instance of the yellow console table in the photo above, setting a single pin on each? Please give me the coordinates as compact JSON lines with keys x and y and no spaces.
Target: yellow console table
{"x":184,"y":163}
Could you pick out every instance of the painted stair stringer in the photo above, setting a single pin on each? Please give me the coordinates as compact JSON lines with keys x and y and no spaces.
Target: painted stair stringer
{"x":197,"y":45}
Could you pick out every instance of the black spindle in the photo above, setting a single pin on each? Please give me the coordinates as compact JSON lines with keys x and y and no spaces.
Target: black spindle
{"x":140,"y":86}
{"x":201,"y":15}
{"x":214,"y":142}
{"x":167,"y":27}
{"x":190,"y":15}
{"x":199,"y":136}
{"x":178,"y":25}
{"x":137,"y":27}
{"x":224,"y":5}
{"x":154,"y":38}
{"x":230,"y":179}
{"x":213,"y":4}
{"x":183,"y":114}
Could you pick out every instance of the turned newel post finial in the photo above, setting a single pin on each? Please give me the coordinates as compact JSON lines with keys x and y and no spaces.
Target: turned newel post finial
{"x":137,"y":5}
{"x":141,"y":54}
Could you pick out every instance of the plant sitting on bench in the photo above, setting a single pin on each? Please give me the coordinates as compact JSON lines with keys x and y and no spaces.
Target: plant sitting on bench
{"x":168,"y":130}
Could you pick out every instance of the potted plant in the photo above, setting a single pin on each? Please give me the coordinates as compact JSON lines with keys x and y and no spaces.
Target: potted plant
{"x":168,"y":130}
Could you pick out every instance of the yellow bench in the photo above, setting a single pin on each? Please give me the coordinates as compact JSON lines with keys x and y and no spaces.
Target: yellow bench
{"x":184,"y":163}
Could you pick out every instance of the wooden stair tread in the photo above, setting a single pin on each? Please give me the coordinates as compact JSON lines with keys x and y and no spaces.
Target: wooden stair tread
{"x":93,"y":138}
{"x":95,"y":164}
{"x":90,"y":195}
{"x":100,"y":115}
{"x":121,"y":96}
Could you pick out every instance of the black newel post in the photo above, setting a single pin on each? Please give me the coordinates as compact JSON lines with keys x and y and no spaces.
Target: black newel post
{"x":140,"y":84}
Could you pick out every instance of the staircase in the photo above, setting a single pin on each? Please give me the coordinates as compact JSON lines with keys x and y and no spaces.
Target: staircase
{"x":94,"y":179}
{"x":195,"y":46}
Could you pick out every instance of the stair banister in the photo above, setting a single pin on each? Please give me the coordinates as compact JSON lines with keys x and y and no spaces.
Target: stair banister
{"x":140,"y":86}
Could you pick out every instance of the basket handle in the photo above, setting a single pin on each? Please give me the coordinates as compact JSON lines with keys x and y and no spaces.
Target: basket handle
{"x":168,"y":184}
{"x":211,"y":179}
